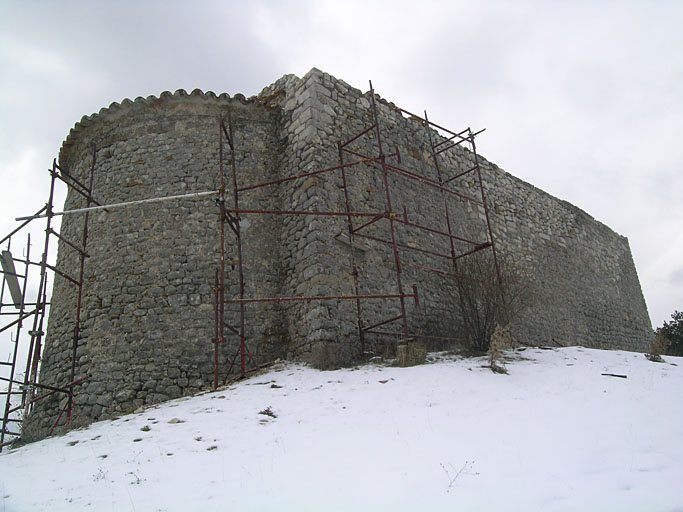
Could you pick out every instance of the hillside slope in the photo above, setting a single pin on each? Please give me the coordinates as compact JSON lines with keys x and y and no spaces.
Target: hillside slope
{"x":554,"y":434}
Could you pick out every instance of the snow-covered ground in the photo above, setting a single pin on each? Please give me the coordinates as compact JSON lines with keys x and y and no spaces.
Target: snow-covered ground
{"x":554,"y":434}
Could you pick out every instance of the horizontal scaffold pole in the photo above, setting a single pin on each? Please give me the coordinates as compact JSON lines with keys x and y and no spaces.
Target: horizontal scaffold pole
{"x":121,"y":205}
{"x":322,"y":297}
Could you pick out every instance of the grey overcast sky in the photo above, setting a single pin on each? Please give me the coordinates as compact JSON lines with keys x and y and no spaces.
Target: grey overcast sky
{"x":583,"y":99}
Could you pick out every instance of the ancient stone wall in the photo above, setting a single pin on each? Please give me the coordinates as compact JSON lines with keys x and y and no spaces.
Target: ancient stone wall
{"x":582,"y":281}
{"x":147,"y":316}
{"x":147,"y":320}
{"x":585,"y":285}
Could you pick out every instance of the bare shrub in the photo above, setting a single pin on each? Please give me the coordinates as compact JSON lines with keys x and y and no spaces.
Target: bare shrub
{"x":658,"y":346}
{"x":488,"y":297}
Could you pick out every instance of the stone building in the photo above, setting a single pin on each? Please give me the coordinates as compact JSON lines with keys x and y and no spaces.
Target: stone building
{"x":148,"y":310}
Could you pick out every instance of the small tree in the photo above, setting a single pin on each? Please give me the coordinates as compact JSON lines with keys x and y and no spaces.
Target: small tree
{"x":673,"y":331}
{"x":487,"y":297}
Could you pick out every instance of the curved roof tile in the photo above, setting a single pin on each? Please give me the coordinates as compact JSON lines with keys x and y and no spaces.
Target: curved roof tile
{"x":141,"y":102}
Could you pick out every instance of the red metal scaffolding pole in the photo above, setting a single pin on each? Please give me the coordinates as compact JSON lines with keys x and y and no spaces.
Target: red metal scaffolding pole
{"x":79,"y":297}
{"x":392,"y":228}
{"x":231,"y":217}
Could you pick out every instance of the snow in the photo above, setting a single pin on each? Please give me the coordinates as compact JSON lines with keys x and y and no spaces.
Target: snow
{"x":553,"y":435}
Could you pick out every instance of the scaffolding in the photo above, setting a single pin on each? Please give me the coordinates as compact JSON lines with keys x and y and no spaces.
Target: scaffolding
{"x":357,"y":224}
{"x":23,"y":391}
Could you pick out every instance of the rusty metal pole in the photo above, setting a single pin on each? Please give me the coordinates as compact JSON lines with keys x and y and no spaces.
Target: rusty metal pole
{"x":506,"y":318}
{"x":37,"y":333}
{"x":219,"y":295}
{"x":215,"y":339}
{"x":238,"y":231}
{"x":387,"y":192}
{"x":79,"y":299}
{"x":443,"y":194}
{"x":354,"y":266}
{"x":486,"y":207}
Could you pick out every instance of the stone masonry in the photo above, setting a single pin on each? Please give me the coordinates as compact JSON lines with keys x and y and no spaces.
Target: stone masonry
{"x":147,"y":320}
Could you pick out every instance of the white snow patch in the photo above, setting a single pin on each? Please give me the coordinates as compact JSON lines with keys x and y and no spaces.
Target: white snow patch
{"x":553,"y":435}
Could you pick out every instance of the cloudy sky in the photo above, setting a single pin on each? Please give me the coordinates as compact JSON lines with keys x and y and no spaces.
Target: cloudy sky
{"x":584,"y":99}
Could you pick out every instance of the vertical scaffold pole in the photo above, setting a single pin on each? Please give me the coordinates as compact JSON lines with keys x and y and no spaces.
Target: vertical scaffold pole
{"x":238,"y":232}
{"x":233,"y":222}
{"x":354,"y":272}
{"x":35,"y":348}
{"x":219,"y":296}
{"x":390,"y":213}
{"x":470,"y":137}
{"x":443,"y":194}
{"x":79,"y":298}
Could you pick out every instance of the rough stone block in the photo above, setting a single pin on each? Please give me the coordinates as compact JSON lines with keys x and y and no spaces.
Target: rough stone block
{"x":411,"y":354}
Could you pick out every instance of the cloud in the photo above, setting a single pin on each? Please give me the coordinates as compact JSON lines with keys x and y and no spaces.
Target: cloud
{"x":582,"y":99}
{"x":676,"y":277}
{"x":64,"y":60}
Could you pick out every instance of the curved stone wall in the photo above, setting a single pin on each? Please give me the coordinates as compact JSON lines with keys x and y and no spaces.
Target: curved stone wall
{"x":147,"y":315}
